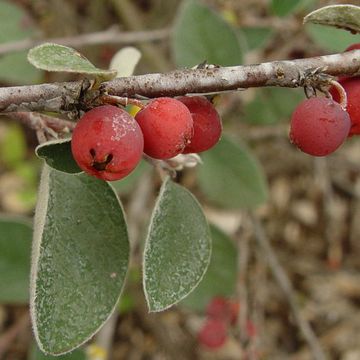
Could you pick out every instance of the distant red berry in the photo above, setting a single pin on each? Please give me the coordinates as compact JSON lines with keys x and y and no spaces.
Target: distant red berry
{"x":107,"y":143}
{"x":213,"y":334}
{"x":319,"y":126}
{"x":351,"y":86}
{"x":207,"y":124}
{"x":167,"y":127}
{"x":218,"y":308}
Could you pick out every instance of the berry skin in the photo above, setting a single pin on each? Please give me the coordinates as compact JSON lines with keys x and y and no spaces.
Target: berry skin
{"x":107,"y":143}
{"x":213,"y":334}
{"x":351,"y":86}
{"x":353,"y":47}
{"x":218,"y":308}
{"x":207,"y":124}
{"x":167,"y":126}
{"x":319,"y":126}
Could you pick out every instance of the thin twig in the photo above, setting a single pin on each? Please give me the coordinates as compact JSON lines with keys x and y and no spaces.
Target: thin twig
{"x":110,"y":36}
{"x":285,"y":284}
{"x":289,"y":73}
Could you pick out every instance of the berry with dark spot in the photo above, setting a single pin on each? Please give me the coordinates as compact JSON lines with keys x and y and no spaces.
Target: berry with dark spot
{"x":107,"y":143}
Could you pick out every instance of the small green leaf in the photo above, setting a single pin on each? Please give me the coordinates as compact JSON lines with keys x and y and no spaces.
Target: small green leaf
{"x":58,"y":155}
{"x":220,"y":277}
{"x":125,"y":61}
{"x":59,"y":58}
{"x":331,"y":39}
{"x":36,"y":354}
{"x":340,"y":16}
{"x":231,"y":177}
{"x":200,"y":34}
{"x":15,"y":249}
{"x":177,"y":249}
{"x":80,"y":259}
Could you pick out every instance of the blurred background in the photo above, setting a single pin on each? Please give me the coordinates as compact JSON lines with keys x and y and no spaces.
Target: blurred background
{"x":305,"y":207}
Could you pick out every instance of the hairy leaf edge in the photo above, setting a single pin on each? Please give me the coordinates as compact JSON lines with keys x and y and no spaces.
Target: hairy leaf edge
{"x":146,"y":247}
{"x":39,"y":223}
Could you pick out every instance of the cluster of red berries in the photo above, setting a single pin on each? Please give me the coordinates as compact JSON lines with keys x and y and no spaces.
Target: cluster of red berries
{"x":222,"y":314}
{"x":108,"y":142}
{"x":320,"y":125}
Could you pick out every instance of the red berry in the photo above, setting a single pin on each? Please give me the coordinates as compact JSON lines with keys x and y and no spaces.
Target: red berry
{"x":319,"y":126}
{"x":107,"y":143}
{"x":352,"y":89}
{"x":218,"y":308}
{"x":353,"y":47}
{"x":207,"y":124}
{"x":213,"y":334}
{"x":167,"y":126}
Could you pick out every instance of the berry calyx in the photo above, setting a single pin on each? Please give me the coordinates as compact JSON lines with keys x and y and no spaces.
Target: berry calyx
{"x":107,"y":143}
{"x":167,"y":127}
{"x":207,"y":124}
{"x":319,"y":126}
{"x":213,"y":334}
{"x":351,"y":86}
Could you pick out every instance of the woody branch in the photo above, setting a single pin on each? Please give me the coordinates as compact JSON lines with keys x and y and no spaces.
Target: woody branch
{"x":62,"y":97}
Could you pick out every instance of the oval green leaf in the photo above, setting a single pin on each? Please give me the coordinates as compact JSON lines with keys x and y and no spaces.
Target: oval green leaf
{"x":340,"y":16}
{"x":231,"y":177}
{"x":177,"y":249}
{"x":202,"y":35}
{"x":15,"y":249}
{"x":220,"y":277}
{"x":59,"y":58}
{"x":80,"y":259}
{"x":57,"y":154}
{"x":36,"y":354}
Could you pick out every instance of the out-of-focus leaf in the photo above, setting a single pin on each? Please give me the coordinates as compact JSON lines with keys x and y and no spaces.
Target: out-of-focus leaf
{"x":13,"y":146}
{"x":15,"y":249}
{"x":202,"y":35}
{"x":80,"y":259}
{"x":256,"y":37}
{"x":220,"y":277}
{"x":340,"y":16}
{"x":177,"y":249}
{"x":331,"y":39}
{"x":125,"y":61}
{"x":284,"y":7}
{"x":231,"y":177}
{"x":128,"y":183}
{"x":36,"y":354}
{"x":272,"y":105}
{"x":58,"y":155}
{"x":15,"y":25}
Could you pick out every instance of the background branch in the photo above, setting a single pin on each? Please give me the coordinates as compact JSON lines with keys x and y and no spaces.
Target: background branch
{"x":289,"y":73}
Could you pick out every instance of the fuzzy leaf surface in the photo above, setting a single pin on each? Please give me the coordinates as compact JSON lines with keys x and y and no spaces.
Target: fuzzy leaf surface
{"x":177,"y":249}
{"x":58,"y":155}
{"x":80,"y":259}
{"x":340,"y":16}
{"x":60,"y":58}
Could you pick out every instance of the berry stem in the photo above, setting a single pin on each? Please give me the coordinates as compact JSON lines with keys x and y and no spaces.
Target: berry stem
{"x":119,"y":100}
{"x":342,"y":93}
